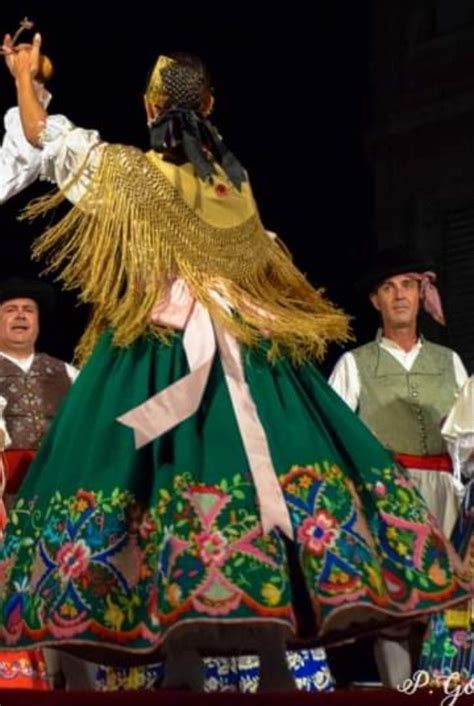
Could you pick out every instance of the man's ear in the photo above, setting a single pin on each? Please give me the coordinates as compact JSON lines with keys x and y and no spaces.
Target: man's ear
{"x":375,"y":300}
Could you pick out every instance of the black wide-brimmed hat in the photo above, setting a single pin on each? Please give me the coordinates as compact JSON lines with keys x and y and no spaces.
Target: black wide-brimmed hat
{"x":392,"y":262}
{"x":23,"y":288}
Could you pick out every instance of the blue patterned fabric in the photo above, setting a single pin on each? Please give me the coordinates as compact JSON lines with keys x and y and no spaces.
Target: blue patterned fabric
{"x":448,"y":650}
{"x":309,"y":668}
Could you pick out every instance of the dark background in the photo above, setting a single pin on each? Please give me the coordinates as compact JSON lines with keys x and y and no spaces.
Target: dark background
{"x":292,"y":87}
{"x":355,"y":120}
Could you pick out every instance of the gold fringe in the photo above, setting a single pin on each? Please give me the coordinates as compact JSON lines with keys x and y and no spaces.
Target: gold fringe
{"x":133,"y":233}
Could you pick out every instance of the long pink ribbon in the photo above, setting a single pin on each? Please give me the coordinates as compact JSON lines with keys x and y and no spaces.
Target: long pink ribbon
{"x":165,"y":410}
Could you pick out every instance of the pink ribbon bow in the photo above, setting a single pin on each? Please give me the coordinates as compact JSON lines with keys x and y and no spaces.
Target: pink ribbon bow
{"x":202,"y":338}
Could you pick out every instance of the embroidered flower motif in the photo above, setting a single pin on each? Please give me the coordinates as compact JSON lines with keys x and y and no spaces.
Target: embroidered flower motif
{"x":197,"y":562}
{"x":85,"y":500}
{"x":212,"y":548}
{"x":392,"y":533}
{"x":271,"y":594}
{"x":339,"y":577}
{"x":380,"y":489}
{"x":319,"y":532}
{"x":73,"y":559}
{"x":173,"y":594}
{"x":113,"y":616}
{"x":375,"y":579}
{"x":437,"y":574}
{"x":68,"y":610}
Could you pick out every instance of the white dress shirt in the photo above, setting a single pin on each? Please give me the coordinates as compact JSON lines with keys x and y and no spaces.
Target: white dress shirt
{"x":26,"y":363}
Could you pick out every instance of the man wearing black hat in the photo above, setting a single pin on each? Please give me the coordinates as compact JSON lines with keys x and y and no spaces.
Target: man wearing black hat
{"x":402,"y":386}
{"x":33,"y":384}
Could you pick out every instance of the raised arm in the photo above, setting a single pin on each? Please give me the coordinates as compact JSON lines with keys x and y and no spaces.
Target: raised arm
{"x":67,"y":155}
{"x":23,"y":62}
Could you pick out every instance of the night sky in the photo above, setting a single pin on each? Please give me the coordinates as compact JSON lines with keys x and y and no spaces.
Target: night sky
{"x":292,"y":101}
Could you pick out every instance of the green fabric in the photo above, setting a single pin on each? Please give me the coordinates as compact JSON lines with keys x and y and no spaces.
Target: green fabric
{"x":111,"y":546}
{"x":403,"y":408}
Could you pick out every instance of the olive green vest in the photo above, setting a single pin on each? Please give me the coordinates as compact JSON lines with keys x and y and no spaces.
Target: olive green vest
{"x":405,"y":409}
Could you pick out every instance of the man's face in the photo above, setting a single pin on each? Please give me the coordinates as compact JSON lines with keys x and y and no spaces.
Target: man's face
{"x":398,"y":301}
{"x":19,"y":325}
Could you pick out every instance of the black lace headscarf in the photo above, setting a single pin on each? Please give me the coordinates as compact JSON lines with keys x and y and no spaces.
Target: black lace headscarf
{"x":182,"y":130}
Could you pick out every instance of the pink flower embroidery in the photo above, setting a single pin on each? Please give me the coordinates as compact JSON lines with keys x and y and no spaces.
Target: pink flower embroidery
{"x":73,"y":559}
{"x":212,"y":548}
{"x":318,"y":532}
{"x":380,"y":489}
{"x":404,"y":482}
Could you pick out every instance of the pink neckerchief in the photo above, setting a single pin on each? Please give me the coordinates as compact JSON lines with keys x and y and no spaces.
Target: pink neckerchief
{"x":429,"y":295}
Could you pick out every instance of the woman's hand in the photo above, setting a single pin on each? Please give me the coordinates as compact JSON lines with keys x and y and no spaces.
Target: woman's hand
{"x":22,"y":59}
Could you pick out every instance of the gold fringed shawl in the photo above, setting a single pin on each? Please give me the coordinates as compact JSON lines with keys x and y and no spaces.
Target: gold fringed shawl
{"x":132,"y":233}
